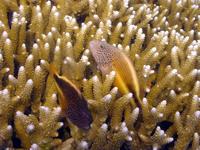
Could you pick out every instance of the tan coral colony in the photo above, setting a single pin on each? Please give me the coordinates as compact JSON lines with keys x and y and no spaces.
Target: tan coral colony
{"x":160,"y":38}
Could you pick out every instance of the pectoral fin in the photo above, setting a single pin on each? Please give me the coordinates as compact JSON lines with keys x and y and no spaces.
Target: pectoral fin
{"x":122,"y":86}
{"x":62,"y":100}
{"x":119,"y":82}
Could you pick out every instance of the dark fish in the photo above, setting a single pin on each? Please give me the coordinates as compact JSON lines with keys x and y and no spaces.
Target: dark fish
{"x":72,"y":102}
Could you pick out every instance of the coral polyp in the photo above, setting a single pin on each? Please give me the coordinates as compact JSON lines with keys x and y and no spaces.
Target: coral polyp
{"x":160,"y":38}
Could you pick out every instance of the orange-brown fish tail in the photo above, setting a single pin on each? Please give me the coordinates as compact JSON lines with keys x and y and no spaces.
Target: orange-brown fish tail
{"x":54,"y":74}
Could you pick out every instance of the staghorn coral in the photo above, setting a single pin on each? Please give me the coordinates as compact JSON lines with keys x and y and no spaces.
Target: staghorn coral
{"x":162,"y":40}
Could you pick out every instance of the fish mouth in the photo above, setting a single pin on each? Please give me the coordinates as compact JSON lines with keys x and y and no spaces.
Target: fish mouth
{"x":86,"y":127}
{"x":93,"y":44}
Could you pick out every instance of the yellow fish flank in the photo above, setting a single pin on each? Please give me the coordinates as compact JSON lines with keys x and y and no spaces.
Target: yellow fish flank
{"x":110,"y":58}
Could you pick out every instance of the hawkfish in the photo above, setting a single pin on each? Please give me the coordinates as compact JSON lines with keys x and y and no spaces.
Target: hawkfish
{"x":72,"y":102}
{"x":108,"y":58}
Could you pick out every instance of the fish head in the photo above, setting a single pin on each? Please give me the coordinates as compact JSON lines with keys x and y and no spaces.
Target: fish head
{"x":102,"y":53}
{"x":79,"y":114}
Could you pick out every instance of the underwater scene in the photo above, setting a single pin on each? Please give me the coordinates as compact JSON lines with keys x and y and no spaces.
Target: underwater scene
{"x":99,"y":74}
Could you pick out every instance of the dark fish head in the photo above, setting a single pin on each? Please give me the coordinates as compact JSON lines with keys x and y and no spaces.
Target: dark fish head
{"x":80,"y":115}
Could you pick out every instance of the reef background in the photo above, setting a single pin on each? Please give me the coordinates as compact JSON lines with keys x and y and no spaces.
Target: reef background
{"x":162,"y":39}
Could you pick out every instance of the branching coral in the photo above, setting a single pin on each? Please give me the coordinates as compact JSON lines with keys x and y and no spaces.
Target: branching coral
{"x":39,"y":132}
{"x":162,"y":40}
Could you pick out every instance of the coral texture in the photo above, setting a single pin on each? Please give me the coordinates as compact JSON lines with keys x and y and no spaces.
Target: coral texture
{"x":162,"y":40}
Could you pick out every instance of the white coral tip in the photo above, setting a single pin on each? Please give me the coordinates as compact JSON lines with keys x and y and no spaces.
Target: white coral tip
{"x":57,"y":110}
{"x":107,"y":98}
{"x":115,"y":90}
{"x":83,"y":145}
{"x":19,"y":113}
{"x":129,"y":138}
{"x":163,"y":103}
{"x":113,"y":73}
{"x":9,"y":128}
{"x":30,"y":128}
{"x":61,"y":124}
{"x":144,"y":100}
{"x":34,"y":147}
{"x":123,"y":124}
{"x":44,"y":108}
{"x":177,"y":114}
{"x":170,"y":139}
{"x":124,"y":130}
{"x":95,"y":78}
{"x":197,"y":114}
{"x":130,"y":95}
{"x":30,"y":82}
{"x":136,"y":111}
{"x":153,"y":110}
{"x":104,"y":127}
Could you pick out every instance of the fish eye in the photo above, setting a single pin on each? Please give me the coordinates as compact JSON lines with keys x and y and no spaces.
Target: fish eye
{"x":102,"y":46}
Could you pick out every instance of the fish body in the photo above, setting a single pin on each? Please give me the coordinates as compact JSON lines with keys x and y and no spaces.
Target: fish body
{"x":110,"y":58}
{"x":72,"y":102}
